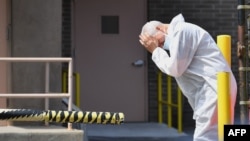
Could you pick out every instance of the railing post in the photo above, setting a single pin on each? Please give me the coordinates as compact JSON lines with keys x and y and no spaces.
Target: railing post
{"x":70,"y":90}
{"x":77,"y":89}
{"x":47,"y":83}
{"x":64,"y":81}
{"x":160,"y":97}
{"x":179,"y":109}
{"x":169,"y":95}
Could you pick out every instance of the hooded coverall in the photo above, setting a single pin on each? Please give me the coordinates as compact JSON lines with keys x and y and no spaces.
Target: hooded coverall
{"x":194,"y":62}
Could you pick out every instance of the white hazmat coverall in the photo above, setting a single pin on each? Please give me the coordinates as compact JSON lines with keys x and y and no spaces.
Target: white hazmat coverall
{"x":194,"y":62}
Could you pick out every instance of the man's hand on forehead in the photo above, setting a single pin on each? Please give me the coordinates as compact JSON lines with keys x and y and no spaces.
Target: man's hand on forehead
{"x":149,"y":42}
{"x":146,"y":39}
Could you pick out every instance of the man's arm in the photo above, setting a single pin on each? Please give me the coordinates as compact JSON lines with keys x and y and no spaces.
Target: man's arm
{"x":182,"y":49}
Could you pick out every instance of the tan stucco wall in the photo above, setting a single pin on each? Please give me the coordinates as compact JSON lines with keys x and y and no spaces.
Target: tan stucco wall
{"x":36,"y":32}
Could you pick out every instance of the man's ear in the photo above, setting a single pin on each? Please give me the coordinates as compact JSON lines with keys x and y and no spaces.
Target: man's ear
{"x":160,"y":28}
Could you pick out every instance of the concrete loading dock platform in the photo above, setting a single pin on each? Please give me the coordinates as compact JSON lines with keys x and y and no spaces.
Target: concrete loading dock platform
{"x":39,"y":133}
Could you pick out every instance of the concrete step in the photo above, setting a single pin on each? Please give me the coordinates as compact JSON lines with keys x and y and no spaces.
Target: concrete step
{"x":39,"y":133}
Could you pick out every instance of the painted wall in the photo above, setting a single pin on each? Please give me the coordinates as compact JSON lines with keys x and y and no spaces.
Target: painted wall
{"x":36,"y":32}
{"x":3,"y":53}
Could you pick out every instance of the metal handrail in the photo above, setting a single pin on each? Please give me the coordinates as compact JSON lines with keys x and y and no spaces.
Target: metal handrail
{"x":169,"y":103}
{"x":35,"y":95}
{"x":45,"y":95}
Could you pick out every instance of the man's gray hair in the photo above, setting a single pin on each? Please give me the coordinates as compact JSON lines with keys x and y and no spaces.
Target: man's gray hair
{"x":150,"y":27}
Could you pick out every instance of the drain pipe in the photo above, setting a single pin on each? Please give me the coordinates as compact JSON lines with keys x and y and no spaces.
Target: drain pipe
{"x":242,"y":60}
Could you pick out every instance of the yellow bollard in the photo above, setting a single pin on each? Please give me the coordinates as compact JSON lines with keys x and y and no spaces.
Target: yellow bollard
{"x":224,"y":43}
{"x":223,"y":102}
{"x":223,"y":83}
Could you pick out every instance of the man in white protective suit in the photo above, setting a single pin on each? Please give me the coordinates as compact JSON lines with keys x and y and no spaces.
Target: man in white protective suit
{"x":189,"y":54}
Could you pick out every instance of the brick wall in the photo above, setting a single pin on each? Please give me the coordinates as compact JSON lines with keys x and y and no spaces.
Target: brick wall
{"x":216,"y":16}
{"x":66,"y":30}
